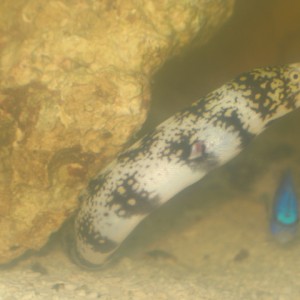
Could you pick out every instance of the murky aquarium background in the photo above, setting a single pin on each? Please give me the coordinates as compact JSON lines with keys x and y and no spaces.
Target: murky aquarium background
{"x":213,"y":240}
{"x":220,"y":227}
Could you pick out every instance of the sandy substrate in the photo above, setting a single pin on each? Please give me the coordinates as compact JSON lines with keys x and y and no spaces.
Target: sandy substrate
{"x":226,"y":254}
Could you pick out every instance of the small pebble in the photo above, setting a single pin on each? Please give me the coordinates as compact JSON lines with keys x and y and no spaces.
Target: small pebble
{"x":241,"y":255}
{"x":58,"y":286}
{"x":38,"y":268}
{"x":161,"y":254}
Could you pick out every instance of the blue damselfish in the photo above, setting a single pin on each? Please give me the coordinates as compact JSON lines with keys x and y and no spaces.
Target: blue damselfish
{"x":285,"y":212}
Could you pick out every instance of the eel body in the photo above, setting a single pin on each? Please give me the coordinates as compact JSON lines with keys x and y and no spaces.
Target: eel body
{"x":176,"y":154}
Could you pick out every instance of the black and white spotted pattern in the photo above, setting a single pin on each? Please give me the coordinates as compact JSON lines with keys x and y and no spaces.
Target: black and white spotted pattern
{"x":179,"y":152}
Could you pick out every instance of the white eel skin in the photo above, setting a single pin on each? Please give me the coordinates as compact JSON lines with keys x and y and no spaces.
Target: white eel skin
{"x":176,"y":154}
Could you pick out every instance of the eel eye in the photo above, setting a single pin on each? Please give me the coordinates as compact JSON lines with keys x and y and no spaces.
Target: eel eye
{"x":197,"y":150}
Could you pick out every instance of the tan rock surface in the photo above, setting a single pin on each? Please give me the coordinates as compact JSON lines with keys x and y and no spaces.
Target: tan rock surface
{"x":74,"y":87}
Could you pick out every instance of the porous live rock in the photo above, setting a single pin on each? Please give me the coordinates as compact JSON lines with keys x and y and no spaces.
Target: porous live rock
{"x":74,"y":87}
